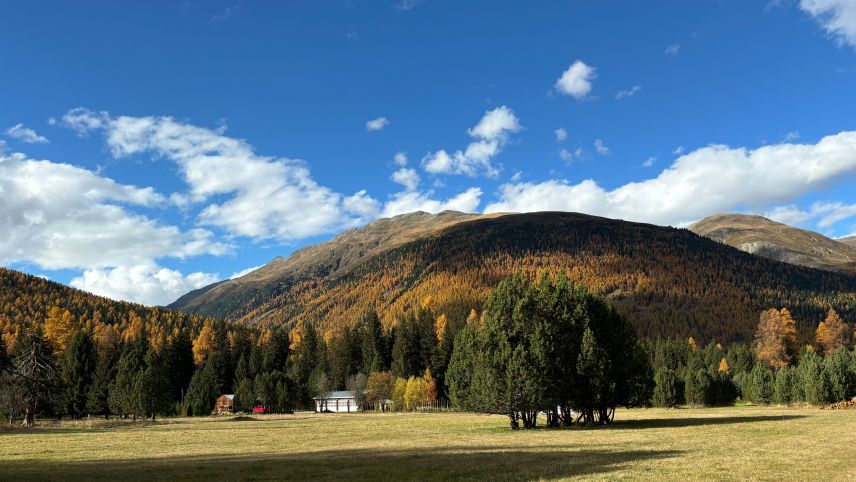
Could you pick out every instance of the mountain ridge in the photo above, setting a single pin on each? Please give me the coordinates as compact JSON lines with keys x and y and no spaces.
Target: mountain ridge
{"x":670,"y":281}
{"x":778,"y":241}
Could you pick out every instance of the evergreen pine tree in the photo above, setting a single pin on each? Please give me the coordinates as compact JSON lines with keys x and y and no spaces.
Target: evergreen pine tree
{"x":97,"y":398}
{"x":77,"y":371}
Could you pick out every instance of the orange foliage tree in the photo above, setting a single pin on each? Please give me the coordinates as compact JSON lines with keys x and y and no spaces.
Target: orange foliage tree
{"x":832,"y":333}
{"x":776,"y":338}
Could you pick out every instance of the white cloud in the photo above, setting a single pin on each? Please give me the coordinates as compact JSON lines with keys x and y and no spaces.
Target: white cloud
{"x":790,"y":214}
{"x":706,"y":181}
{"x":792,"y":136}
{"x":410,"y":201}
{"x":623,"y":94}
{"x":576,"y":80}
{"x":407,"y":177}
{"x":561,"y":134}
{"x":59,"y":216}
{"x":83,"y":120}
{"x":678,"y":150}
{"x":400,"y":159}
{"x":823,"y":213}
{"x":673,"y":49}
{"x":244,"y":272}
{"x":837,"y":17}
{"x":566,"y":155}
{"x":832,"y":212}
{"x":600,"y":147}
{"x":490,"y":134}
{"x":145,"y":283}
{"x":256,"y":196}
{"x":649,"y":162}
{"x":26,"y":135}
{"x":377,"y":124}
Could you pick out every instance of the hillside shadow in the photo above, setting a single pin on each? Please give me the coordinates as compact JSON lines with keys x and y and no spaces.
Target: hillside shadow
{"x":698,"y":421}
{"x":465,"y":463}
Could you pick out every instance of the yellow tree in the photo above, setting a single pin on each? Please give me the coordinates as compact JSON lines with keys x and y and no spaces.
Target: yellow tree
{"x":776,"y":338}
{"x":723,"y":366}
{"x":203,"y":344}
{"x":59,"y":328}
{"x":692,"y":343}
{"x":430,"y":386}
{"x":832,"y":333}
{"x":440,"y":327}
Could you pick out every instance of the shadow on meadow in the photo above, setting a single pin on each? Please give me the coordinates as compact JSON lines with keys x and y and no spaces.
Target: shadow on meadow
{"x":697,"y":421}
{"x":471,"y":463}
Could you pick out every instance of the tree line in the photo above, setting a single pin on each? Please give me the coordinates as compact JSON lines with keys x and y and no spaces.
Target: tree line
{"x":543,"y":345}
{"x":776,"y":368}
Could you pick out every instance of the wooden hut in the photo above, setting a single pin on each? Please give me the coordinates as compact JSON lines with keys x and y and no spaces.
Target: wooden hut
{"x":225,"y":404}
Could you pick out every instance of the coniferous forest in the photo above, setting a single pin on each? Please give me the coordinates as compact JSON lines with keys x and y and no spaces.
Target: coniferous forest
{"x":537,"y":345}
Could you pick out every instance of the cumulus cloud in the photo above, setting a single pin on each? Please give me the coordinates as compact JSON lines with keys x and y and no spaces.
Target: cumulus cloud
{"x":577,"y":80}
{"x":26,"y":135}
{"x":255,"y":196}
{"x":61,"y":216}
{"x":706,"y":181}
{"x":490,"y":135}
{"x":145,"y":283}
{"x":407,"y":177}
{"x":837,"y":17}
{"x":410,"y":201}
{"x":561,"y":134}
{"x":623,"y":94}
{"x":400,"y":159}
{"x":600,"y":147}
{"x":377,"y":124}
{"x":649,"y":162}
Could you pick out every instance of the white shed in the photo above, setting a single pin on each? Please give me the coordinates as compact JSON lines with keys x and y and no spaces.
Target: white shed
{"x":342,"y":401}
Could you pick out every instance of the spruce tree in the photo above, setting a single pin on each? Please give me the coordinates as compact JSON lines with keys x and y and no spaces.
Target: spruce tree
{"x":666,"y":388}
{"x":97,"y":398}
{"x":77,"y":371}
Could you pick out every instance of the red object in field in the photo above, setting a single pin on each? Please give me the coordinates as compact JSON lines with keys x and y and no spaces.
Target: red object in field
{"x":258,"y":409}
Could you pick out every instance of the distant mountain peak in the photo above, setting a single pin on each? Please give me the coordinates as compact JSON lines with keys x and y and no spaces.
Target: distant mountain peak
{"x":770,"y":239}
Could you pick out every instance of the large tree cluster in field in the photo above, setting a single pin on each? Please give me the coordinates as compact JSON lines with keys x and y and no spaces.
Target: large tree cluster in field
{"x":548,"y":347}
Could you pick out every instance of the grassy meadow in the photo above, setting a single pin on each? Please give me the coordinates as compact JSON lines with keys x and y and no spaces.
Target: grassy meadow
{"x":734,"y":443}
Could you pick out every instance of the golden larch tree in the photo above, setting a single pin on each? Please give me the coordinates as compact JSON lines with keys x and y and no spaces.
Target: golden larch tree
{"x":723,"y":366}
{"x":776,"y":338}
{"x":692,"y":343}
{"x":203,"y":344}
{"x":832,"y":333}
{"x":59,"y":328}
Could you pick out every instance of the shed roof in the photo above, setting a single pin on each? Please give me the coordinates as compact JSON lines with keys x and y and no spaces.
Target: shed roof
{"x":230,"y":396}
{"x":337,"y":394}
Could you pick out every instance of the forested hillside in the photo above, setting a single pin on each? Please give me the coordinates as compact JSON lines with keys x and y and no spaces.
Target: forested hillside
{"x":27,"y":301}
{"x":669,"y":282}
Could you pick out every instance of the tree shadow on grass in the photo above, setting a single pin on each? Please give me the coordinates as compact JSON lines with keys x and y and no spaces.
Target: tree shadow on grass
{"x":698,"y":421}
{"x":470,"y":463}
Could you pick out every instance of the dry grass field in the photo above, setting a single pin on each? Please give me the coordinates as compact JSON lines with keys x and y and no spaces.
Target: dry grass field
{"x":736,"y":443}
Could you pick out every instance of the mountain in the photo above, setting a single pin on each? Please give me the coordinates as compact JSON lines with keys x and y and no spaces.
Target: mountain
{"x":849,"y":241}
{"x":761,"y":236}
{"x":669,"y":282}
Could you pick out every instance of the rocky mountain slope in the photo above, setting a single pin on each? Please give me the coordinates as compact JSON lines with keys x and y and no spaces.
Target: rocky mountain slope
{"x":761,"y":236}
{"x":670,"y":282}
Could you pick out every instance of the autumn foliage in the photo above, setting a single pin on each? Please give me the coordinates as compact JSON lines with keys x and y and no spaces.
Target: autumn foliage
{"x":776,"y":338}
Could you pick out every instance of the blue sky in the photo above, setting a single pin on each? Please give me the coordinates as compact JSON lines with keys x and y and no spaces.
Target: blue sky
{"x":155,"y":147}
